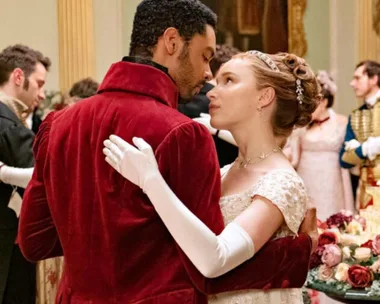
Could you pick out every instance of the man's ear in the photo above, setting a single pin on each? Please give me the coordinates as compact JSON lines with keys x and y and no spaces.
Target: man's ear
{"x":374,"y":79}
{"x":18,"y":76}
{"x":172,"y":40}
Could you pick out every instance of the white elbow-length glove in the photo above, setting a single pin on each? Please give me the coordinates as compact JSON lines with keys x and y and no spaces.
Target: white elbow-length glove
{"x":212,"y":255}
{"x":19,"y":177}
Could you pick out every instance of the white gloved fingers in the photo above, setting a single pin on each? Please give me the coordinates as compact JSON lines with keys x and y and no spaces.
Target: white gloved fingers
{"x":114,"y":149}
{"x":141,"y":144}
{"x":372,"y":157}
{"x":107,"y":152}
{"x":121,"y":143}
{"x":351,"y":145}
{"x":371,"y":150}
{"x":145,"y":148}
{"x":205,"y":115}
{"x":112,"y":164}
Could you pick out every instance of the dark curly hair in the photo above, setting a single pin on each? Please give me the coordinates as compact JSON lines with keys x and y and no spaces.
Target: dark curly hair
{"x":23,"y":57}
{"x":371,"y":68}
{"x":84,"y":88}
{"x":223,"y":53}
{"x":153,"y":17}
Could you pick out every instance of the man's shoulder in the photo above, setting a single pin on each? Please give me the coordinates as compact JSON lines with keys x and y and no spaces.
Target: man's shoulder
{"x":6,"y":115}
{"x":9,"y":121}
{"x":148,"y":110}
{"x":360,"y":108}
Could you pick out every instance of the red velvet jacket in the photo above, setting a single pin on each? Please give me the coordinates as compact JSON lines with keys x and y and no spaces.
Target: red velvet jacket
{"x":116,"y":248}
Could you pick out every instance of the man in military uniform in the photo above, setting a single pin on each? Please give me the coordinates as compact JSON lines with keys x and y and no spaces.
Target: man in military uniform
{"x":362,"y":141}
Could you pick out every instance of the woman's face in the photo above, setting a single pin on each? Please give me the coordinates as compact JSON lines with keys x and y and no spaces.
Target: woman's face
{"x":234,"y":100}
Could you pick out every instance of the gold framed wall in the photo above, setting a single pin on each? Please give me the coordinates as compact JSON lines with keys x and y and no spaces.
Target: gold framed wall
{"x":297,"y":37}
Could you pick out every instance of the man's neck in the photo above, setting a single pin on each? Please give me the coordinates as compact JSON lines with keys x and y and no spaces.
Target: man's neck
{"x":9,"y":94}
{"x":372,"y":97}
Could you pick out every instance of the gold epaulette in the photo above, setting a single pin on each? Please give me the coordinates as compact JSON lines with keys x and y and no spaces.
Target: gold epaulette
{"x":366,"y":122}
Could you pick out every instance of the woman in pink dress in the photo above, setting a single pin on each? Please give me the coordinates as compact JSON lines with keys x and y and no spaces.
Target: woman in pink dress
{"x":314,"y":152}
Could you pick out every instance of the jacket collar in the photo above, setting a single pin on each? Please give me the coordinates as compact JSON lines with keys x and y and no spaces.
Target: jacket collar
{"x":7,"y":113}
{"x":22,"y":106}
{"x":139,"y":76}
{"x":371,"y":101}
{"x":13,"y":108}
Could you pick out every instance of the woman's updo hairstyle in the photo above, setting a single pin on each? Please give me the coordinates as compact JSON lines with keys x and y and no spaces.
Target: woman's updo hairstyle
{"x":296,"y":88}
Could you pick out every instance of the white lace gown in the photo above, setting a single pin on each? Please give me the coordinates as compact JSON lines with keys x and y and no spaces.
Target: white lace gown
{"x":285,"y":189}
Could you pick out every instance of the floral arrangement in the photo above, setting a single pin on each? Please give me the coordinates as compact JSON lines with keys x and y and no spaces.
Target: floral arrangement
{"x":50,"y":103}
{"x":345,"y":258}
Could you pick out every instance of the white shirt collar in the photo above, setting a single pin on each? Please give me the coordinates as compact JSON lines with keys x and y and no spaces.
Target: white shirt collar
{"x":372,"y":100}
{"x":29,"y":120}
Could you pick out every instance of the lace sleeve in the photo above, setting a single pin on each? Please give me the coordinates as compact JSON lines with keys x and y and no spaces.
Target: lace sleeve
{"x":286,"y":190}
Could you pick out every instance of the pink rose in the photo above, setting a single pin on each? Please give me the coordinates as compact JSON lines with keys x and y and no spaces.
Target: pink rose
{"x":332,"y":255}
{"x":361,"y":220}
{"x":325,"y":273}
{"x":376,"y":245}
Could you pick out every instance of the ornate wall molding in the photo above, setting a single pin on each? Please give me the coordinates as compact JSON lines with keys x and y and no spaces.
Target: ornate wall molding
{"x":297,"y":36}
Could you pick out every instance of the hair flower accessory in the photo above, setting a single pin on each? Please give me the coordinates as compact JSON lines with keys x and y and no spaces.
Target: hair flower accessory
{"x":299,"y":91}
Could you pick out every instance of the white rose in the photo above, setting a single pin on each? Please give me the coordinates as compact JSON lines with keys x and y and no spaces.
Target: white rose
{"x":341,"y":273}
{"x":362,"y":254}
{"x":354,"y":228}
{"x":346,"y":253}
{"x":347,"y":240}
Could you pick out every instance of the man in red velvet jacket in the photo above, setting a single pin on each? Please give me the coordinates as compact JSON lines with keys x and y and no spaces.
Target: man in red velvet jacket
{"x":116,"y":248}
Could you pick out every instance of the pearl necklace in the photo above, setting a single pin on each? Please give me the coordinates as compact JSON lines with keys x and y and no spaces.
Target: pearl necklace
{"x":243,"y":163}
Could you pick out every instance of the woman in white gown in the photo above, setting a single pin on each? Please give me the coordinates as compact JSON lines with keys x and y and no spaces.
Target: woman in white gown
{"x":259,"y":98}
